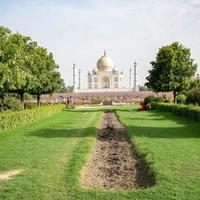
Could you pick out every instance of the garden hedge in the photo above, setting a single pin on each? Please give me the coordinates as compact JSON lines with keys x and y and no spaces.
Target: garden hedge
{"x":10,"y":119}
{"x":188,"y":111}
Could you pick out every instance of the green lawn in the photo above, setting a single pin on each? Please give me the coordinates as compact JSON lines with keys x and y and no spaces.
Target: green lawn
{"x":53,"y":150}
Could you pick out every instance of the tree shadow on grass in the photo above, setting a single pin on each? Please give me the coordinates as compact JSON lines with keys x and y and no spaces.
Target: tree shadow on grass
{"x":63,"y":133}
{"x":164,"y":132}
{"x":185,"y":128}
{"x":182,"y":127}
{"x":190,"y":131}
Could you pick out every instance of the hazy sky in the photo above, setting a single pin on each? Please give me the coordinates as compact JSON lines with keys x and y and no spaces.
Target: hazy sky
{"x":131,"y":30}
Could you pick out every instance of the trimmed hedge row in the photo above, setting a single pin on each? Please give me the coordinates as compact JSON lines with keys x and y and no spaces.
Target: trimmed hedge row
{"x":10,"y":119}
{"x":188,"y":111}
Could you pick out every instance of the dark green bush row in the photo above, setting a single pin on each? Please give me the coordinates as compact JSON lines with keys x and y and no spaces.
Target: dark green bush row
{"x":10,"y":119}
{"x":188,"y":111}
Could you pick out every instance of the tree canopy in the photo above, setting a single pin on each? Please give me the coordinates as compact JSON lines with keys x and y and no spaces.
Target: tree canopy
{"x":172,"y":70}
{"x":25,"y":67}
{"x":195,"y":83}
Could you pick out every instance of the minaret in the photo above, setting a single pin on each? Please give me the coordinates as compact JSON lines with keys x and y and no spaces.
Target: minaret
{"x":135,"y":77}
{"x":104,"y":53}
{"x":79,"y":79}
{"x":89,"y":80}
{"x":74,"y":78}
{"x":131,"y":77}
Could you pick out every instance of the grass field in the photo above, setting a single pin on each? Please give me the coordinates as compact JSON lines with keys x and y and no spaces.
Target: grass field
{"x":52,"y":152}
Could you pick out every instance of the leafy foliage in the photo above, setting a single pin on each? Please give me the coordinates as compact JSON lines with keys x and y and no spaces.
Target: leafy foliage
{"x":193,"y":97}
{"x":195,"y":83}
{"x":151,"y":98}
{"x":12,"y":119}
{"x":26,"y":67}
{"x":181,"y":98}
{"x":144,"y":88}
{"x":172,"y":70}
{"x":10,"y":103}
{"x":191,"y":112}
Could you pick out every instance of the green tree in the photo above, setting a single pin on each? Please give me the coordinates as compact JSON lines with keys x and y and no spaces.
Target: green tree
{"x":26,"y":67}
{"x":4,"y":70}
{"x":172,"y":70}
{"x":46,"y":77}
{"x":144,"y":88}
{"x":16,"y":60}
{"x":195,"y":83}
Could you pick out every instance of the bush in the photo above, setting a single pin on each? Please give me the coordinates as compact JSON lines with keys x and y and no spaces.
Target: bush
{"x":150,"y":99}
{"x":11,"y":103}
{"x":30,"y":105}
{"x":181,"y":98}
{"x":191,"y":112}
{"x":158,"y":99}
{"x":10,"y":119}
{"x":193,"y":97}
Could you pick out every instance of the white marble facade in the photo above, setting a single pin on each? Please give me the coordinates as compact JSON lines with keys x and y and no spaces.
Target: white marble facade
{"x":105,"y":75}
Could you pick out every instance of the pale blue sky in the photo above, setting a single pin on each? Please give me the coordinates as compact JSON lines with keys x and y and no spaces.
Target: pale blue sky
{"x":130,"y":30}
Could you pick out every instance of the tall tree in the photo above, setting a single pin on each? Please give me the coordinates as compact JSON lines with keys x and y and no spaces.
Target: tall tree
{"x":172,"y":70}
{"x":26,"y":67}
{"x":4,"y":70}
{"x":16,"y":57}
{"x":46,"y":77}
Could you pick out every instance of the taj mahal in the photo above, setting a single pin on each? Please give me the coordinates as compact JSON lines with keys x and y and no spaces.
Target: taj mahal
{"x":105,"y":77}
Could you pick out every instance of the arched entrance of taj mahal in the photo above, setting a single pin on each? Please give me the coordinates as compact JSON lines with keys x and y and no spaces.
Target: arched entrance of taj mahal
{"x":105,"y":82}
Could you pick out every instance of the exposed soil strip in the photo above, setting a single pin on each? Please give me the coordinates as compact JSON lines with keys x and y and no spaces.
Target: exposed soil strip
{"x":9,"y":174}
{"x":114,"y":163}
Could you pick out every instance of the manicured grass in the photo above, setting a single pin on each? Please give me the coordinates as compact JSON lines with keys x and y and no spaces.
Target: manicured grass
{"x":52,"y":152}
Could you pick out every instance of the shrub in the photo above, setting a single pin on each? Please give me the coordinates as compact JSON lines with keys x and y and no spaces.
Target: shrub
{"x":158,"y":99}
{"x":191,"y":112}
{"x":11,"y":119}
{"x":193,"y":97}
{"x":152,"y":98}
{"x":30,"y":105}
{"x":168,"y":100}
{"x":149,"y":99}
{"x":181,"y":98}
{"x":11,"y":103}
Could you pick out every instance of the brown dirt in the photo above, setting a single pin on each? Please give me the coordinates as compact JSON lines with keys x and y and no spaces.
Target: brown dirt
{"x":114,"y":162}
{"x":9,"y":174}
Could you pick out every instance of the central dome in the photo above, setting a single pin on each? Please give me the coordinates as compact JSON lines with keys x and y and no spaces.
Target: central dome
{"x":105,"y":63}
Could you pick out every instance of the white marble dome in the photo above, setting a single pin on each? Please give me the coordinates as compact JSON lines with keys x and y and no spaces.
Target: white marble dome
{"x":105,"y":63}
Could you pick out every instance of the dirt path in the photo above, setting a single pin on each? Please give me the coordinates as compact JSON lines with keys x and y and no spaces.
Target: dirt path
{"x":114,"y":164}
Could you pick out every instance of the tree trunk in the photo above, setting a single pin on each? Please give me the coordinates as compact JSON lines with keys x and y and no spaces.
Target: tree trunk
{"x":38,"y":100}
{"x":22,"y":97}
{"x":174,"y":92}
{"x":2,"y":96}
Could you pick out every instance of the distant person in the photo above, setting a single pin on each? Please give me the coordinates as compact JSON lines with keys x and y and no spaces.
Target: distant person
{"x":71,"y":102}
{"x":67,"y":102}
{"x":144,"y":106}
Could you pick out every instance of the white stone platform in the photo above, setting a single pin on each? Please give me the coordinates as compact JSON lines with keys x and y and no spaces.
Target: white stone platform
{"x":104,"y":90}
